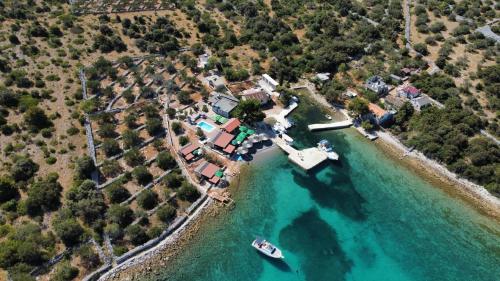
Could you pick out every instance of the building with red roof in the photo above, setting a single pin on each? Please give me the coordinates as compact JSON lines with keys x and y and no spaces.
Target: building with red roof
{"x":221,"y":140}
{"x":208,"y":171}
{"x":187,"y":151}
{"x":409,"y":92}
{"x":231,"y":125}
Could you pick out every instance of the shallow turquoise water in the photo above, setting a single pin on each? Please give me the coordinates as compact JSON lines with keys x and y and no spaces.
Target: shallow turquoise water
{"x":365,"y":218}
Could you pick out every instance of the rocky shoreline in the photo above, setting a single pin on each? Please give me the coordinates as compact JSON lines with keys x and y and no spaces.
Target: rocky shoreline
{"x":474,"y":194}
{"x":161,"y":254}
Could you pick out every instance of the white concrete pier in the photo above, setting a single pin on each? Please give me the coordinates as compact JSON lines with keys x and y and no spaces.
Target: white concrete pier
{"x":330,"y":126}
{"x":306,"y":159}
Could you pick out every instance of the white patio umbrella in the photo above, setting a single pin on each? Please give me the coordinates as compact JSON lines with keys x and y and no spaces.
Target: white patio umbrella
{"x":254,"y":138}
{"x":264,"y":137}
{"x":247,"y":144}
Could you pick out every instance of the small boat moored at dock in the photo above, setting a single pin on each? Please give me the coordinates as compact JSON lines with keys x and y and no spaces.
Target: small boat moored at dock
{"x":267,"y":248}
{"x":325,"y":146}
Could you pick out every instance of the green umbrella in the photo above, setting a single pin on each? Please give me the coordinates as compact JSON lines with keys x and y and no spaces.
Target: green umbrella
{"x":250,"y":132}
{"x":243,"y":129}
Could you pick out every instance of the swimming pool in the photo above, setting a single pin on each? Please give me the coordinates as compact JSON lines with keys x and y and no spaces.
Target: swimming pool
{"x":205,"y":126}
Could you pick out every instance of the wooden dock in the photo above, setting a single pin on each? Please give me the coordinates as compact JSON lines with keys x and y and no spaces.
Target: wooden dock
{"x":306,"y":159}
{"x":330,"y":126}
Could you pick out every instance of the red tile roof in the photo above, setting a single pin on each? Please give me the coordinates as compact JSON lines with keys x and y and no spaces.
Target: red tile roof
{"x":229,"y":149}
{"x":189,"y":156}
{"x":231,"y":125}
{"x":189,"y":148}
{"x":377,"y":110}
{"x":223,"y":139}
{"x":209,"y":170}
{"x":214,"y":180}
{"x":411,"y":90}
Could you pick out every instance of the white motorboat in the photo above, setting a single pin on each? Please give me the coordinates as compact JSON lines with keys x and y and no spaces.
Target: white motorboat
{"x":267,"y":248}
{"x":328,"y":116}
{"x":325,"y":146}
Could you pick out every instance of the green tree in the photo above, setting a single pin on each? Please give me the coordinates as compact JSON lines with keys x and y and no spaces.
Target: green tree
{"x":131,"y":138}
{"x":117,"y":193}
{"x":137,"y":235}
{"x":154,"y":126}
{"x":176,"y":127}
{"x":68,"y":230}
{"x":44,"y":195}
{"x":165,"y":160}
{"x":88,"y":257}
{"x":134,"y":157}
{"x":359,"y":106}
{"x":65,"y":272}
{"x":86,"y":201}
{"x":7,"y":189}
{"x":121,"y":215}
{"x":111,"y":147}
{"x":249,"y":111}
{"x":142,"y":175}
{"x":147,"y":199}
{"x":23,"y":169}
{"x":36,"y":119}
{"x":166,"y":213}
{"x":111,"y":168}
{"x":84,"y":167}
{"x":188,"y":192}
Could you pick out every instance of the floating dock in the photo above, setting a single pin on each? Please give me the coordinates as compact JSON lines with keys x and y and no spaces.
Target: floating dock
{"x":307,"y":158}
{"x":330,"y":126}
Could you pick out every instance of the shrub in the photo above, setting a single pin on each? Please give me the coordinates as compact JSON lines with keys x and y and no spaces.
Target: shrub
{"x":131,"y":120}
{"x":142,"y":175}
{"x":166,"y":213}
{"x":147,"y":199}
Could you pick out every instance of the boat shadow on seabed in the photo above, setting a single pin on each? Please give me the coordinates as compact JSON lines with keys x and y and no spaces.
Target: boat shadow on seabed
{"x":280,"y":264}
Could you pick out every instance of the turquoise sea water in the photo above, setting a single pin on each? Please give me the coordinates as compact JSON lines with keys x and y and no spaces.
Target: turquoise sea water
{"x":364,"y":218}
